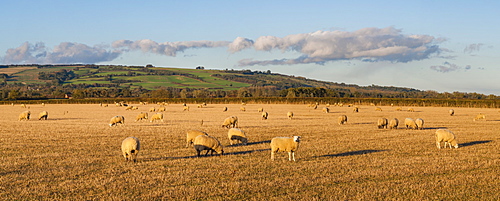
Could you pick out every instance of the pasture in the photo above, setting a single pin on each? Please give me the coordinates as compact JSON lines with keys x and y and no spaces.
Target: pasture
{"x":76,"y":155}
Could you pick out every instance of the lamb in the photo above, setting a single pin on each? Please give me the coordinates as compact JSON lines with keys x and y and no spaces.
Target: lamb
{"x":43,"y":115}
{"x":230,"y":121}
{"x":342,"y":119}
{"x":116,"y":120}
{"x":264,"y":115}
{"x":326,"y":110}
{"x":157,"y":116}
{"x":420,"y":123}
{"x":130,"y":148}
{"x":410,"y":124}
{"x":479,"y":116}
{"x":393,"y":123}
{"x":224,"y":109}
{"x":382,"y":123}
{"x":191,"y":134}
{"x":451,"y":112}
{"x":235,"y":135}
{"x":446,"y":136}
{"x":289,"y":114}
{"x":141,"y":116}
{"x":209,"y":143}
{"x":25,"y":115}
{"x":285,"y":144}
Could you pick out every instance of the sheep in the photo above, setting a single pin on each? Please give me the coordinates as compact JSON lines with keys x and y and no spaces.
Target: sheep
{"x":185,"y":108}
{"x":43,"y":115}
{"x":326,"y":110}
{"x":191,"y":134}
{"x":264,"y":115}
{"x":157,"y":116}
{"x":116,"y":120}
{"x":289,"y":114}
{"x":130,"y":148}
{"x":410,"y":124}
{"x":399,"y":109}
{"x":479,"y":116}
{"x":451,"y":112}
{"x":342,"y":119}
{"x":224,"y":109}
{"x":141,"y":116}
{"x":355,"y":109}
{"x":199,"y":106}
{"x":411,"y":110}
{"x":152,"y":109}
{"x":129,"y":107}
{"x":243,"y":109}
{"x":235,"y":135}
{"x":393,"y":123}
{"x":446,"y":136}
{"x":420,"y":123}
{"x":230,"y":121}
{"x":260,"y":110}
{"x":378,"y":109}
{"x":162,"y":109}
{"x":25,"y":115}
{"x":209,"y":143}
{"x":285,"y":144}
{"x":382,"y":123}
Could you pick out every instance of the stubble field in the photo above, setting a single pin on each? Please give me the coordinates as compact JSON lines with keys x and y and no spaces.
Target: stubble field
{"x":75,"y":155}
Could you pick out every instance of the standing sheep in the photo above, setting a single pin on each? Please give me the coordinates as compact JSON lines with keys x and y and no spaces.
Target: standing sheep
{"x":326,"y":110}
{"x":264,"y":115}
{"x":191,"y":134}
{"x":141,"y":116}
{"x":130,"y":148}
{"x":289,"y":114}
{"x":235,"y":135}
{"x":260,"y":110}
{"x":209,"y":143}
{"x":479,"y":116}
{"x":43,"y":115}
{"x":382,"y":123}
{"x":393,"y":123}
{"x":243,"y":109}
{"x":342,"y":119}
{"x":162,"y":109}
{"x":116,"y":120}
{"x":410,"y":124}
{"x":451,"y":112}
{"x":224,"y":109}
{"x":285,"y":144}
{"x":378,"y":109}
{"x":152,"y":109}
{"x":446,"y":136}
{"x":420,"y":123}
{"x":355,"y":109}
{"x":157,"y":116}
{"x":411,"y":110}
{"x":25,"y":115}
{"x":230,"y":121}
{"x":185,"y":108}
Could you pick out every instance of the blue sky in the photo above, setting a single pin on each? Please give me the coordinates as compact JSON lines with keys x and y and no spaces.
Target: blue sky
{"x":444,"y":46}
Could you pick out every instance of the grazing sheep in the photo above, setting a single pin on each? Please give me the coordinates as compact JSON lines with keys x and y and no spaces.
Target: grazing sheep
{"x":25,"y":115}
{"x":232,"y":120}
{"x":141,"y":116}
{"x":420,"y":123}
{"x":162,"y":109}
{"x":393,"y":123}
{"x":224,"y":109}
{"x":315,"y":107}
{"x":451,"y":112}
{"x":152,"y":109}
{"x":23,"y":105}
{"x":235,"y":135}
{"x":326,"y":110}
{"x":285,"y":144}
{"x":209,"y":143}
{"x":43,"y":115}
{"x":130,"y":148}
{"x":243,"y":109}
{"x":260,"y":110}
{"x":342,"y":119}
{"x":446,"y":136}
{"x":157,"y":116}
{"x":116,"y":120}
{"x":378,"y":109}
{"x":479,"y":116}
{"x":410,"y":124}
{"x":355,"y":109}
{"x":185,"y":108}
{"x":289,"y":114}
{"x":264,"y":115}
{"x":399,"y":109}
{"x":191,"y":134}
{"x":382,"y":123}
{"x":411,"y":110}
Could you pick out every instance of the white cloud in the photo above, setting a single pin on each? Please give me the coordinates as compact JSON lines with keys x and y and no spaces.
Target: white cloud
{"x":166,"y":48}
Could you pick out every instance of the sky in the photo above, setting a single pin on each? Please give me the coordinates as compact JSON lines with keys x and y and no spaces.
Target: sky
{"x":443,"y":46}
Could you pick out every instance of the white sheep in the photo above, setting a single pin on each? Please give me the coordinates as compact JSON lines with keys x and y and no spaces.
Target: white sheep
{"x":191,"y":134}
{"x":157,"y":116}
{"x":130,"y":148}
{"x":130,"y":107}
{"x":382,"y":123}
{"x":285,"y":144}
{"x":410,"y":124}
{"x":420,"y":123}
{"x":393,"y":123}
{"x":264,"y":115}
{"x":378,"y":109}
{"x":209,"y":143}
{"x":451,"y":112}
{"x":235,"y":135}
{"x":289,"y":114}
{"x":479,"y":116}
{"x":162,"y":109}
{"x":260,"y":110}
{"x":446,"y":136}
{"x":355,"y":109}
{"x":326,"y":110}
{"x":152,"y":109}
{"x":411,"y":110}
{"x":243,"y":109}
{"x":342,"y":119}
{"x":116,"y":120}
{"x":224,"y":109}
{"x":43,"y":115}
{"x":185,"y":108}
{"x":25,"y":115}
{"x":141,"y":116}
{"x":230,"y":121}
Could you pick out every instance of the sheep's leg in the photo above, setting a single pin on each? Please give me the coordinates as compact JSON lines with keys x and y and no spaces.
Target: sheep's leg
{"x":438,"y":144}
{"x":272,"y":155}
{"x":290,"y":156}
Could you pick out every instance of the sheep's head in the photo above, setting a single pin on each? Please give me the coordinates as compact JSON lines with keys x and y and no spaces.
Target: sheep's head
{"x":296,"y":138}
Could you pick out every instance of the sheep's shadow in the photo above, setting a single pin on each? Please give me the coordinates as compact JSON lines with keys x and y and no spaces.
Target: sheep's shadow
{"x":246,"y":152}
{"x":248,"y":144}
{"x":474,"y":143}
{"x":434,"y":128}
{"x":353,"y":153}
{"x":204,"y":156}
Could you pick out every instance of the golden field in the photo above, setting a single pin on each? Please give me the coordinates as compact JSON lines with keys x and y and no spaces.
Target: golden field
{"x":75,"y":155}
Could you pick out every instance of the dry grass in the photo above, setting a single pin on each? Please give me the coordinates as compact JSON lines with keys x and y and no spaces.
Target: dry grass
{"x":75,"y":155}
